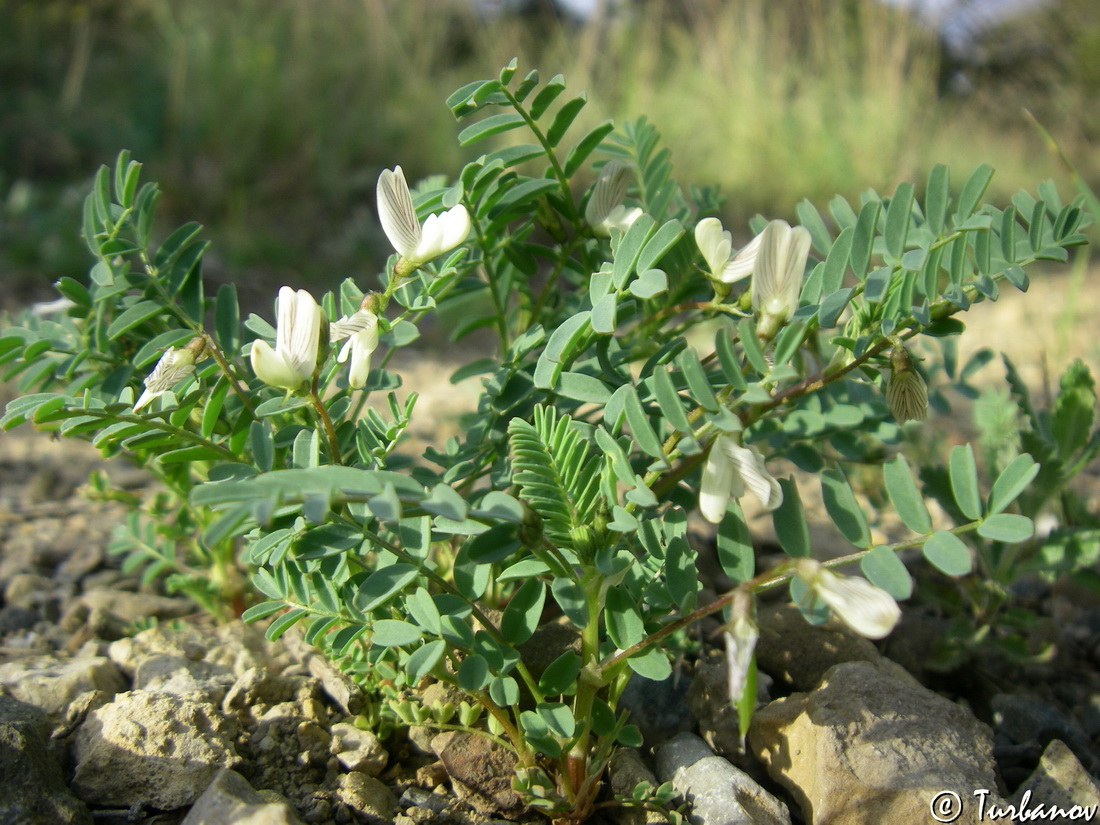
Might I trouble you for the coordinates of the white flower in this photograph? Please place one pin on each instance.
(360, 334)
(297, 337)
(605, 209)
(51, 307)
(777, 277)
(716, 244)
(730, 469)
(416, 244)
(868, 610)
(176, 364)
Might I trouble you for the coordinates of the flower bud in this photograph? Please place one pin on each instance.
(176, 364)
(906, 394)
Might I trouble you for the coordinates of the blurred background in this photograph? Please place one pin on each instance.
(269, 120)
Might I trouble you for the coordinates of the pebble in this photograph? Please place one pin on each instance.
(230, 800)
(719, 793)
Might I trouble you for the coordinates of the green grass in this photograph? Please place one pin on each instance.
(269, 120)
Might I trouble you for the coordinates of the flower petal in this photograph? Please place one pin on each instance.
(780, 265)
(396, 212)
(743, 263)
(717, 483)
(442, 233)
(303, 334)
(715, 243)
(271, 368)
(750, 468)
(868, 610)
(608, 192)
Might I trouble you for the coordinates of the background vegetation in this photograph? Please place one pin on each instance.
(269, 120)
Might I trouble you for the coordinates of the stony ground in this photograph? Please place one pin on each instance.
(121, 704)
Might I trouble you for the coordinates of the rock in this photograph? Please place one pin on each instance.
(708, 701)
(256, 690)
(1061, 781)
(198, 680)
(371, 801)
(131, 607)
(230, 800)
(32, 791)
(481, 771)
(358, 750)
(151, 749)
(14, 618)
(627, 772)
(659, 709)
(28, 590)
(334, 682)
(719, 793)
(290, 749)
(52, 683)
(866, 748)
(1021, 720)
(414, 797)
(799, 653)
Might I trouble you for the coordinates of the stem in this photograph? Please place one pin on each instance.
(758, 584)
(326, 422)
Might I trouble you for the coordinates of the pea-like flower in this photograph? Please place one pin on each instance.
(359, 332)
(605, 209)
(730, 469)
(777, 276)
(716, 244)
(292, 363)
(741, 635)
(906, 394)
(415, 243)
(176, 364)
(868, 610)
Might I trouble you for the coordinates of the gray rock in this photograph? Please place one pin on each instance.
(358, 750)
(14, 618)
(1059, 781)
(719, 793)
(51, 683)
(151, 749)
(32, 791)
(130, 607)
(1021, 720)
(417, 797)
(865, 748)
(182, 676)
(659, 709)
(370, 800)
(708, 701)
(230, 800)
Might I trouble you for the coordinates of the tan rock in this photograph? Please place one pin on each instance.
(866, 748)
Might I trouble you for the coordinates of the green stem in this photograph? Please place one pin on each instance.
(757, 584)
(326, 422)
